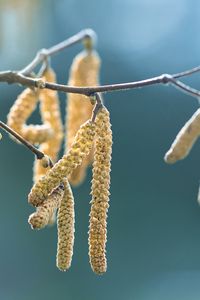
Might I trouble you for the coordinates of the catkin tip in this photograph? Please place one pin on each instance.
(43, 214)
(170, 158)
(34, 222)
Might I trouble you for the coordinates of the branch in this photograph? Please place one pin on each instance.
(87, 36)
(99, 104)
(43, 54)
(164, 79)
(14, 77)
(34, 150)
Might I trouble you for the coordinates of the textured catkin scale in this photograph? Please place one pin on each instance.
(65, 224)
(84, 72)
(64, 167)
(43, 214)
(51, 117)
(184, 140)
(100, 192)
(21, 111)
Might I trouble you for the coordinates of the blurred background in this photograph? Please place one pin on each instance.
(153, 247)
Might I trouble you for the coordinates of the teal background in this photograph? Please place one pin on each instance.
(153, 247)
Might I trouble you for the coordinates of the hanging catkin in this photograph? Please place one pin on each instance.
(51, 116)
(64, 167)
(65, 224)
(44, 212)
(84, 72)
(100, 192)
(21, 111)
(185, 139)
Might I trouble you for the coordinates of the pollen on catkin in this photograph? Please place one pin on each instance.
(51, 116)
(44, 212)
(84, 72)
(21, 111)
(100, 192)
(64, 167)
(184, 140)
(65, 225)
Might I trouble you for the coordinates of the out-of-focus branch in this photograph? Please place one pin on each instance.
(87, 36)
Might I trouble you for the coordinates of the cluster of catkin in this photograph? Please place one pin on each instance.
(91, 134)
(88, 139)
(184, 141)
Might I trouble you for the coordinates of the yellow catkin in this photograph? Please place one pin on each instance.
(21, 111)
(65, 223)
(84, 72)
(51, 116)
(100, 192)
(184, 140)
(43, 214)
(64, 167)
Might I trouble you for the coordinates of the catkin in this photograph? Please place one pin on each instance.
(100, 192)
(84, 72)
(20, 112)
(64, 167)
(65, 224)
(51, 116)
(184, 140)
(44, 212)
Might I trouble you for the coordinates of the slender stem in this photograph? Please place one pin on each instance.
(164, 79)
(98, 105)
(87, 36)
(187, 72)
(14, 77)
(43, 54)
(38, 153)
(185, 88)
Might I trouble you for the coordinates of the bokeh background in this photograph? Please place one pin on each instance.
(153, 247)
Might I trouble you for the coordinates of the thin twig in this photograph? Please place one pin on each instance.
(37, 152)
(187, 72)
(98, 105)
(43, 54)
(14, 77)
(21, 77)
(185, 88)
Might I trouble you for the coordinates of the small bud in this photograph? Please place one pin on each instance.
(45, 161)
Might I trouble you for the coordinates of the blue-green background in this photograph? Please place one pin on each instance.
(153, 247)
